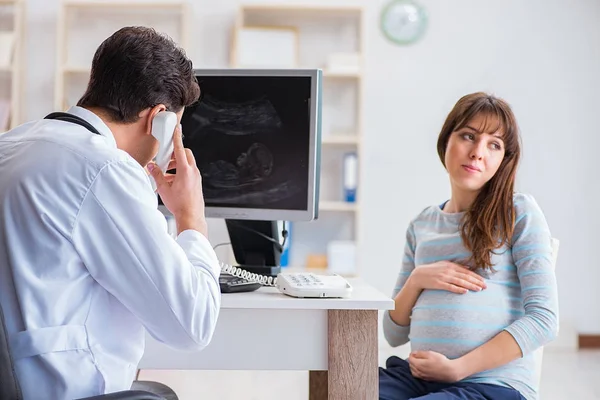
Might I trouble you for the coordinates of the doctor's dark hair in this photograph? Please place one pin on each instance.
(137, 68)
(489, 222)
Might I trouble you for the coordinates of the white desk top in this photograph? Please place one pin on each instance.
(364, 297)
(267, 330)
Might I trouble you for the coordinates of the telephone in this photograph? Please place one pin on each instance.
(163, 127)
(295, 284)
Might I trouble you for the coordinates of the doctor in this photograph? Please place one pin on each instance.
(86, 263)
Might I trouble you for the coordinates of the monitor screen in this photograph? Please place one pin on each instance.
(255, 136)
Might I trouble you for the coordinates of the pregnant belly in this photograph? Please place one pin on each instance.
(453, 324)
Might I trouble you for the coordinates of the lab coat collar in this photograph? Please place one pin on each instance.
(96, 121)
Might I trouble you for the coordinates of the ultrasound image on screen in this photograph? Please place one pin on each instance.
(250, 137)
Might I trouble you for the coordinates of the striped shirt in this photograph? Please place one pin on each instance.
(521, 294)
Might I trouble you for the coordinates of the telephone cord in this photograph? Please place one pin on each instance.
(240, 273)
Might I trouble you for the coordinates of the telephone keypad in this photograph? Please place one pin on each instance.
(306, 280)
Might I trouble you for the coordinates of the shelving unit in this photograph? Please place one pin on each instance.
(322, 31)
(12, 17)
(83, 25)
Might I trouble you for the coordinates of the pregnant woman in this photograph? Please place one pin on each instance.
(476, 294)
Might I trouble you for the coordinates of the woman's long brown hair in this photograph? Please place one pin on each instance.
(488, 224)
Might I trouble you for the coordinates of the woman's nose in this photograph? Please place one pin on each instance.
(476, 153)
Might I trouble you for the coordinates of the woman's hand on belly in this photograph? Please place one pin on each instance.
(435, 367)
(446, 275)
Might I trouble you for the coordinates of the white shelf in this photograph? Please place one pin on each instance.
(176, 12)
(340, 140)
(339, 31)
(341, 206)
(72, 69)
(112, 5)
(342, 75)
(13, 72)
(319, 9)
(327, 74)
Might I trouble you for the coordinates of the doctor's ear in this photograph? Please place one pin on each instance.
(152, 111)
(147, 115)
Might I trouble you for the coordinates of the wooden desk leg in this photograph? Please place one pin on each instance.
(353, 369)
(317, 385)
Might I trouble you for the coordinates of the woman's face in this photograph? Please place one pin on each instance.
(474, 153)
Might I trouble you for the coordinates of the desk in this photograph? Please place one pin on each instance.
(334, 339)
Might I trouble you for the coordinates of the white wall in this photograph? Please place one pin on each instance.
(543, 56)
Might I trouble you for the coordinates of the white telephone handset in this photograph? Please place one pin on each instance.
(297, 284)
(163, 127)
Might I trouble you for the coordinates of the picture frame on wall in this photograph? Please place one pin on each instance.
(265, 47)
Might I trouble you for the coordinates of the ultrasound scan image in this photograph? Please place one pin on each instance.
(250, 138)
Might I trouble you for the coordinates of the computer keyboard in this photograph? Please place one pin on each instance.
(233, 284)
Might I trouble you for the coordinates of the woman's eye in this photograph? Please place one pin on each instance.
(468, 136)
(496, 146)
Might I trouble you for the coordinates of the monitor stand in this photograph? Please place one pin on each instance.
(256, 245)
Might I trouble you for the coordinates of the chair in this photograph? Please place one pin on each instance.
(10, 389)
(539, 353)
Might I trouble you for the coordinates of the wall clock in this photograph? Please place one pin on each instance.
(403, 21)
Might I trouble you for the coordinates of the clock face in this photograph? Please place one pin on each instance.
(403, 21)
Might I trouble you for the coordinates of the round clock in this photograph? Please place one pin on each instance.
(403, 21)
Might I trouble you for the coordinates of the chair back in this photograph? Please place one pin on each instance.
(9, 385)
(538, 355)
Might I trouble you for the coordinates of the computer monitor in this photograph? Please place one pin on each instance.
(256, 135)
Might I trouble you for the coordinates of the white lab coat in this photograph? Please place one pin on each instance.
(86, 263)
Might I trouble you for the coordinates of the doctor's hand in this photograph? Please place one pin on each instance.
(182, 192)
(446, 275)
(436, 367)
